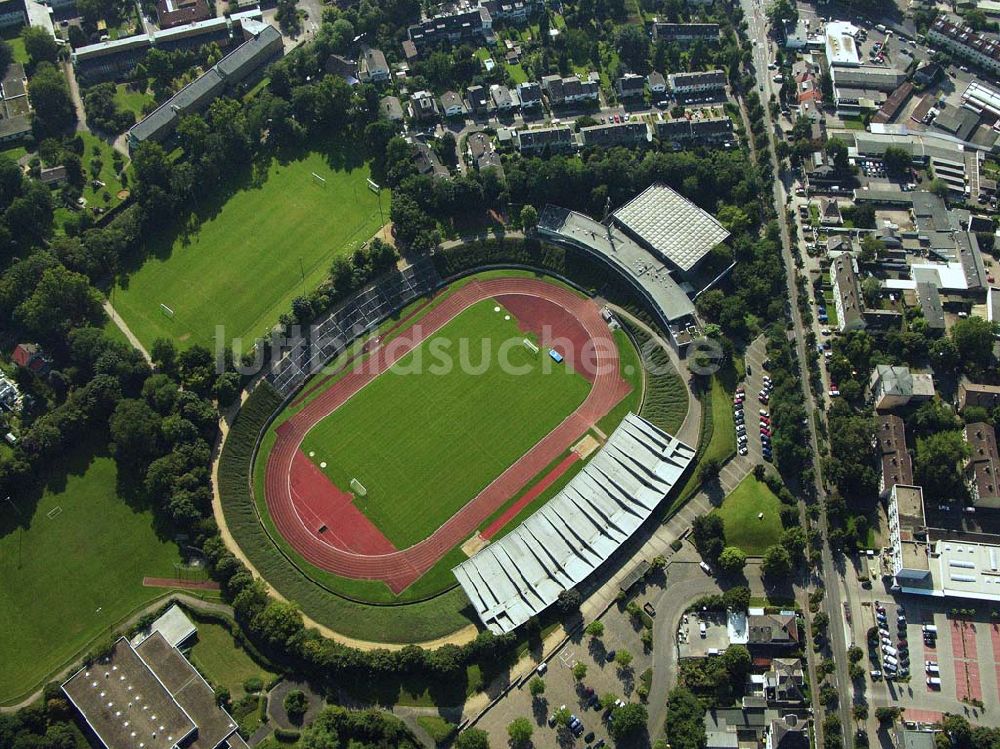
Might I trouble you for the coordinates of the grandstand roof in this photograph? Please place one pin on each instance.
(576, 531)
(671, 225)
(634, 261)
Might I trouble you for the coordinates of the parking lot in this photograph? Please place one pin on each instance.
(701, 635)
(965, 655)
(562, 689)
(756, 432)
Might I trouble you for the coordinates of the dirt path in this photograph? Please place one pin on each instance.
(124, 328)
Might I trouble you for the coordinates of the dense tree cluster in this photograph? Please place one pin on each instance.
(44, 725)
(103, 112)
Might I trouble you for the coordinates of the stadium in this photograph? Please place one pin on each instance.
(452, 447)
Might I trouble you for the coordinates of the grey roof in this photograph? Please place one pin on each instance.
(391, 107)
(930, 304)
(242, 60)
(576, 531)
(910, 739)
(867, 77)
(643, 268)
(716, 78)
(672, 225)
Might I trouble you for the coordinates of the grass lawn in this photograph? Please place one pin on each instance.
(404, 434)
(131, 100)
(739, 513)
(107, 175)
(437, 728)
(723, 442)
(14, 152)
(222, 661)
(66, 580)
(250, 255)
(517, 73)
(16, 44)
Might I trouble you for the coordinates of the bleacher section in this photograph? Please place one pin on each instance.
(576, 531)
(330, 336)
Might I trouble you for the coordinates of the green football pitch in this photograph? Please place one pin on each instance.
(74, 572)
(245, 262)
(424, 444)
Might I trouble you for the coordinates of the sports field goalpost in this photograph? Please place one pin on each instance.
(321, 181)
(358, 488)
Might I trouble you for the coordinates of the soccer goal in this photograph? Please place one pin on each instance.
(321, 181)
(358, 488)
(530, 345)
(166, 311)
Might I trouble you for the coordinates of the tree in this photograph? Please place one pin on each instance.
(633, 47)
(871, 290)
(737, 662)
(623, 658)
(529, 217)
(569, 601)
(627, 721)
(595, 629)
(836, 149)
(732, 560)
(296, 705)
(473, 738)
(40, 45)
(937, 465)
(777, 562)
(579, 671)
(536, 686)
(897, 160)
(685, 720)
(49, 94)
(520, 731)
(709, 536)
(973, 338)
(135, 432)
(62, 300)
(711, 465)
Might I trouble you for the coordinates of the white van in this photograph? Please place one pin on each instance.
(703, 629)
(933, 682)
(890, 651)
(930, 629)
(932, 670)
(890, 661)
(704, 566)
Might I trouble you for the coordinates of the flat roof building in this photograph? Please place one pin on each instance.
(908, 535)
(672, 226)
(929, 299)
(575, 532)
(841, 47)
(150, 696)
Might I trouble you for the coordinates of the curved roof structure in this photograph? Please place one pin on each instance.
(576, 531)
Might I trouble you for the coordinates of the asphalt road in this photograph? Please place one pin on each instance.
(754, 11)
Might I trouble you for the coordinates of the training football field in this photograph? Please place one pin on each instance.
(424, 444)
(245, 263)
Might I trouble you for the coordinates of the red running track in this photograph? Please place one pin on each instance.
(398, 569)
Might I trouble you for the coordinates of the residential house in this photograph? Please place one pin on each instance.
(465, 25)
(772, 630)
(551, 139)
(685, 33)
(977, 394)
(482, 152)
(787, 732)
(829, 213)
(423, 106)
(698, 126)
(983, 468)
(372, 67)
(478, 98)
(965, 42)
(709, 81)
(10, 396)
(451, 104)
(616, 134)
(891, 386)
(890, 441)
(784, 682)
(52, 176)
(570, 90)
(427, 161)
(31, 356)
(530, 94)
(631, 86)
(501, 97)
(847, 294)
(392, 108)
(342, 67)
